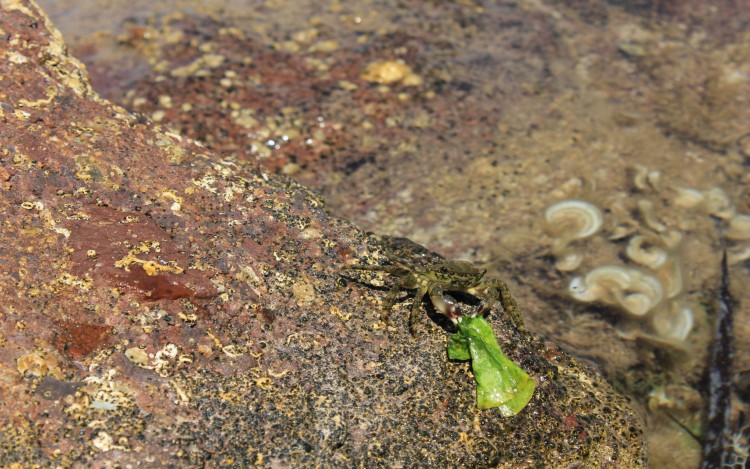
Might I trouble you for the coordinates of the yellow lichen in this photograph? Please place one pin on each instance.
(388, 72)
(337, 312)
(71, 280)
(199, 65)
(303, 292)
(51, 94)
(177, 200)
(149, 266)
(38, 365)
(137, 356)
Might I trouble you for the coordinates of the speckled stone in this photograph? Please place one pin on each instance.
(162, 306)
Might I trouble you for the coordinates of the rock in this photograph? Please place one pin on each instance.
(162, 306)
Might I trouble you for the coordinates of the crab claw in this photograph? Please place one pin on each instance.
(447, 305)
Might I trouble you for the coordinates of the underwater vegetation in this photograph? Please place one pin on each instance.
(721, 446)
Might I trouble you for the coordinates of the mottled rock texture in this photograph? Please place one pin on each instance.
(160, 305)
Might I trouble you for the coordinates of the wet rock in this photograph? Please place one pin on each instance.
(163, 306)
(342, 108)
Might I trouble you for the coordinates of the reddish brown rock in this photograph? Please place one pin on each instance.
(164, 306)
(518, 106)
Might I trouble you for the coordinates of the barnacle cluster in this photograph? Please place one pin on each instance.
(635, 292)
(715, 202)
(648, 286)
(569, 221)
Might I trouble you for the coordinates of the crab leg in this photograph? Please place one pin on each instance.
(414, 313)
(491, 295)
(498, 290)
(390, 299)
(375, 268)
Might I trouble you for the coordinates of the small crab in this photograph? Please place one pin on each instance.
(434, 279)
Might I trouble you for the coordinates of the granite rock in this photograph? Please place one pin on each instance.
(165, 306)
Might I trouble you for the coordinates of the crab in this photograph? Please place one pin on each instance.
(435, 279)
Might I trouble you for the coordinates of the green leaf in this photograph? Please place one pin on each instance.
(500, 382)
(458, 347)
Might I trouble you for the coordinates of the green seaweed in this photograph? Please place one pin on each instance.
(500, 382)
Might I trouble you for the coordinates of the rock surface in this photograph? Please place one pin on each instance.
(517, 106)
(161, 305)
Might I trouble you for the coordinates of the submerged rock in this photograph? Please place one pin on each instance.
(163, 306)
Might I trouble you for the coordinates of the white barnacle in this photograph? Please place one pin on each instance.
(671, 277)
(739, 228)
(598, 284)
(713, 201)
(644, 179)
(644, 251)
(738, 254)
(634, 291)
(641, 296)
(673, 323)
(688, 198)
(580, 291)
(671, 239)
(568, 261)
(573, 219)
(716, 202)
(646, 207)
(568, 221)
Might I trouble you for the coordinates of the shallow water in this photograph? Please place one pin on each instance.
(520, 105)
